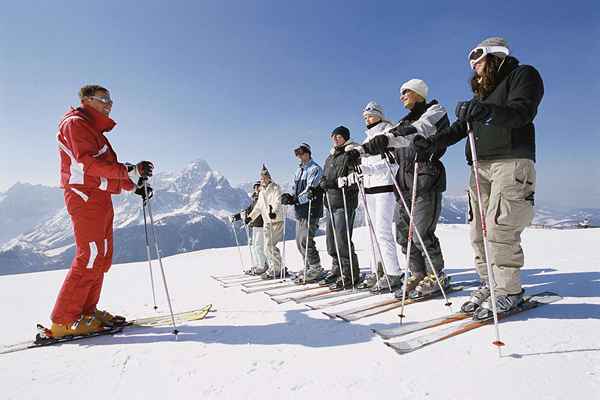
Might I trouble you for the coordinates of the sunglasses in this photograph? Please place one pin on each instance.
(478, 53)
(104, 99)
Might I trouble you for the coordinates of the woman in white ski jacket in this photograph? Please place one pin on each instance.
(381, 202)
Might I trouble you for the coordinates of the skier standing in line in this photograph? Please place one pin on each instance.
(426, 119)
(269, 207)
(379, 189)
(90, 174)
(257, 239)
(338, 166)
(307, 176)
(500, 114)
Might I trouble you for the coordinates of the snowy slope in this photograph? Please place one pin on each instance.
(252, 348)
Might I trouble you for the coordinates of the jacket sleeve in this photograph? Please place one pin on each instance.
(313, 179)
(85, 151)
(451, 135)
(433, 120)
(257, 210)
(275, 200)
(524, 96)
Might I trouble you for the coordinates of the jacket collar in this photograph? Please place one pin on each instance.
(508, 65)
(100, 122)
(418, 110)
(340, 149)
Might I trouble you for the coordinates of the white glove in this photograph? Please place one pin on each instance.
(342, 181)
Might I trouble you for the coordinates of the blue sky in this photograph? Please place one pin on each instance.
(239, 83)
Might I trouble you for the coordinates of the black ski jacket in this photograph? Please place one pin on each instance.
(338, 165)
(510, 132)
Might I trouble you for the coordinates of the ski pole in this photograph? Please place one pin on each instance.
(237, 244)
(335, 240)
(372, 244)
(162, 270)
(419, 238)
(411, 226)
(492, 282)
(248, 241)
(148, 254)
(372, 231)
(348, 236)
(306, 242)
(283, 262)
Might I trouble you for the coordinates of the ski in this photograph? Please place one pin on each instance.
(300, 295)
(159, 320)
(250, 279)
(296, 289)
(529, 302)
(407, 328)
(346, 299)
(264, 283)
(329, 295)
(391, 303)
(226, 277)
(264, 288)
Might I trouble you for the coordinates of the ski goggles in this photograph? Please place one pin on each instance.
(478, 53)
(103, 99)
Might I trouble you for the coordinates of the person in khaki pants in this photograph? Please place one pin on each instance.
(505, 102)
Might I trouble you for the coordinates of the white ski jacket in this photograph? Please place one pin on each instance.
(269, 196)
(374, 169)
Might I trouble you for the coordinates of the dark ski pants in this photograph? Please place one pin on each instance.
(305, 234)
(339, 224)
(427, 209)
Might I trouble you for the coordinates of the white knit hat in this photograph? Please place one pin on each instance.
(416, 85)
(373, 109)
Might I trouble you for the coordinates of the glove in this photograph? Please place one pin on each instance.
(272, 215)
(247, 220)
(377, 145)
(473, 110)
(236, 217)
(140, 191)
(288, 199)
(423, 147)
(403, 130)
(143, 169)
(313, 192)
(324, 185)
(342, 181)
(353, 156)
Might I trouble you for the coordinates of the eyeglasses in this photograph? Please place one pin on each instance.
(104, 99)
(478, 53)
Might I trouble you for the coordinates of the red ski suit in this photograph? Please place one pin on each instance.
(90, 174)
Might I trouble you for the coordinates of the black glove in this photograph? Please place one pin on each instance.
(353, 156)
(473, 110)
(377, 145)
(247, 220)
(272, 215)
(143, 169)
(313, 192)
(236, 217)
(423, 147)
(140, 191)
(288, 199)
(403, 130)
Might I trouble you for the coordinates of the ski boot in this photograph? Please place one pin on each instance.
(330, 278)
(107, 319)
(477, 298)
(313, 275)
(387, 281)
(504, 303)
(86, 325)
(429, 285)
(346, 283)
(372, 279)
(411, 284)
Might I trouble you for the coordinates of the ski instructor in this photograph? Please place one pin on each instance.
(89, 174)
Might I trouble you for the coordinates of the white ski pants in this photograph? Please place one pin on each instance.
(381, 208)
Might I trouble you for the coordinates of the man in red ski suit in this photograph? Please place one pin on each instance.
(89, 174)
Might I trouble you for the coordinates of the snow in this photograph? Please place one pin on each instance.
(252, 348)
